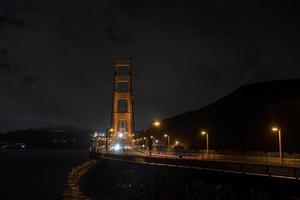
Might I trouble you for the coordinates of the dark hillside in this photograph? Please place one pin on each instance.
(46, 138)
(243, 119)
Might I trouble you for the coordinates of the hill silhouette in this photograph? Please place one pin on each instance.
(47, 138)
(243, 119)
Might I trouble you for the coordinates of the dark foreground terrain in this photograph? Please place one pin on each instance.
(36, 174)
(121, 180)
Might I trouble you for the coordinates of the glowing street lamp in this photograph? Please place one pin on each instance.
(168, 137)
(156, 123)
(205, 133)
(276, 129)
(111, 130)
(177, 142)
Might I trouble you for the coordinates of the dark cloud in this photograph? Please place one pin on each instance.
(71, 28)
(4, 53)
(4, 59)
(56, 56)
(117, 35)
(6, 66)
(30, 79)
(13, 21)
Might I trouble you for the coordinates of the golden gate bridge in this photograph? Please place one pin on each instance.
(119, 142)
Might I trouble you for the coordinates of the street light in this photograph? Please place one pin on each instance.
(275, 129)
(177, 142)
(156, 123)
(168, 137)
(106, 138)
(205, 133)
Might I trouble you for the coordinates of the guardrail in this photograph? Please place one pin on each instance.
(257, 169)
(234, 156)
(248, 156)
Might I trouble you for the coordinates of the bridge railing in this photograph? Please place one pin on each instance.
(258, 169)
(233, 156)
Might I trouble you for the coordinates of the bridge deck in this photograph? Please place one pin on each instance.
(277, 170)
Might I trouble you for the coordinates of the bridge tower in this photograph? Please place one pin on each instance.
(122, 108)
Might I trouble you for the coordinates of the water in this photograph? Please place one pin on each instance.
(41, 174)
(36, 174)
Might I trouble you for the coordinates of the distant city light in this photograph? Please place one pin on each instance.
(156, 141)
(177, 142)
(120, 135)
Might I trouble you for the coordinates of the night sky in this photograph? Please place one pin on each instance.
(56, 55)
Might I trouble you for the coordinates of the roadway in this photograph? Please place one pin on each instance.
(212, 156)
(249, 165)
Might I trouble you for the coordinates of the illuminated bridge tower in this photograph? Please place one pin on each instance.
(122, 108)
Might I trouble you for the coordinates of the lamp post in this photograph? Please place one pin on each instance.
(156, 123)
(205, 133)
(106, 138)
(150, 144)
(168, 138)
(152, 141)
(95, 142)
(275, 129)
